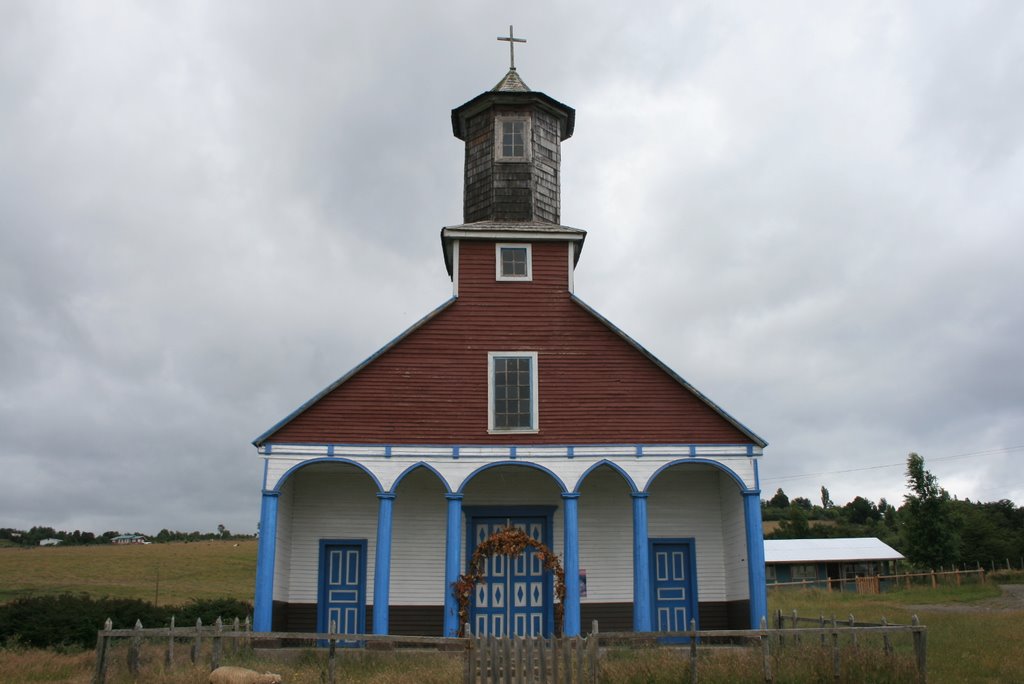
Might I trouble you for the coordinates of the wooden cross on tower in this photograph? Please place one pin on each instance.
(511, 40)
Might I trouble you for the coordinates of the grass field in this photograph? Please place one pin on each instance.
(970, 637)
(968, 641)
(204, 569)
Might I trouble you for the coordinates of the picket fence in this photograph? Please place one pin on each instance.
(532, 660)
(494, 660)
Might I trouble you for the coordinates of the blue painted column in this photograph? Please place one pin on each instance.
(453, 541)
(755, 558)
(571, 534)
(263, 609)
(382, 564)
(641, 566)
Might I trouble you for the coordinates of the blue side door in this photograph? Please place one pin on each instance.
(513, 598)
(674, 584)
(342, 587)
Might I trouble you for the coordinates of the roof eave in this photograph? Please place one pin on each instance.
(565, 114)
(451, 233)
(262, 439)
(754, 437)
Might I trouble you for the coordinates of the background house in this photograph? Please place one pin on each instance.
(819, 561)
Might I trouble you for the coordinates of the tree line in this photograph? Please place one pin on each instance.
(931, 528)
(34, 535)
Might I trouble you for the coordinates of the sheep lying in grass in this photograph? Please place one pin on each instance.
(240, 675)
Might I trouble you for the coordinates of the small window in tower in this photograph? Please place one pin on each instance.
(512, 134)
(513, 262)
(512, 387)
(512, 138)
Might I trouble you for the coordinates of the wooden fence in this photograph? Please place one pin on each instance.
(490, 660)
(830, 633)
(532, 660)
(239, 636)
(875, 584)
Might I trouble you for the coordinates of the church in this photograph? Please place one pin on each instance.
(512, 404)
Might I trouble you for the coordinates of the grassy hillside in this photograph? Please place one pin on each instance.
(206, 569)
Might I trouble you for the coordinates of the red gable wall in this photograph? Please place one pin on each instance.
(431, 388)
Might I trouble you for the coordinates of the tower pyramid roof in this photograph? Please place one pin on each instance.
(511, 83)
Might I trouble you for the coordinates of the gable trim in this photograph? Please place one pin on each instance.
(340, 381)
(671, 373)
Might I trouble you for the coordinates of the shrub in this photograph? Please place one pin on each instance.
(208, 610)
(73, 619)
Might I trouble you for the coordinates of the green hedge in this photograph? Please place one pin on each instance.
(73, 619)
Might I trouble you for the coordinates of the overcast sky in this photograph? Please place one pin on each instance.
(211, 210)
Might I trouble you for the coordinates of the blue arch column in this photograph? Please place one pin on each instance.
(641, 566)
(382, 564)
(453, 540)
(755, 558)
(571, 534)
(263, 608)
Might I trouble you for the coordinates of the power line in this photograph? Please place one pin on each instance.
(971, 454)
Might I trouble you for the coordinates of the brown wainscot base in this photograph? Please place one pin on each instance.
(429, 620)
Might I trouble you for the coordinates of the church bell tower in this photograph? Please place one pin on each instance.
(513, 139)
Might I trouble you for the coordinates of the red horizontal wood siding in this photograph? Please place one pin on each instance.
(431, 388)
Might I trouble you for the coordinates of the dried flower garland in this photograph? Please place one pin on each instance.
(511, 542)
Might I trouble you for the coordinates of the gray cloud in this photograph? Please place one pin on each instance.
(209, 212)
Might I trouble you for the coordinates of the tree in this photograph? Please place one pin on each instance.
(930, 526)
(860, 511)
(826, 500)
(802, 502)
(794, 526)
(780, 500)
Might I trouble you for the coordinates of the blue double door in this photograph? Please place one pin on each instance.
(515, 597)
(673, 583)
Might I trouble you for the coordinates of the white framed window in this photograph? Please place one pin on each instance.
(513, 261)
(769, 573)
(512, 138)
(512, 392)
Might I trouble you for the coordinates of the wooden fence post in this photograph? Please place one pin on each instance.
(821, 623)
(234, 641)
(853, 635)
(133, 649)
(886, 641)
(247, 642)
(506, 660)
(766, 656)
(920, 650)
(793, 624)
(554, 659)
(169, 655)
(333, 645)
(480, 669)
(593, 648)
(102, 642)
(216, 647)
(836, 668)
(567, 659)
(545, 651)
(467, 656)
(529, 643)
(934, 583)
(197, 642)
(580, 658)
(693, 651)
